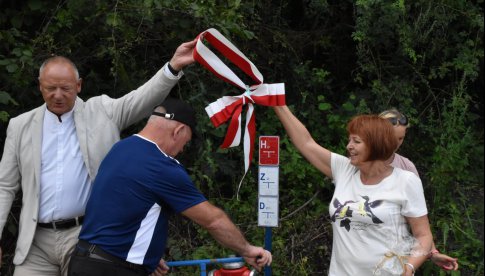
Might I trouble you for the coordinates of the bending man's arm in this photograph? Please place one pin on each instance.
(227, 234)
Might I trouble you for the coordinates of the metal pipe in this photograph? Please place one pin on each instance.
(268, 245)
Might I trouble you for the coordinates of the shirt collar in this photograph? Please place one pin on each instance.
(63, 118)
(146, 139)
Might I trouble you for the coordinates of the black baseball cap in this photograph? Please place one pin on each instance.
(179, 111)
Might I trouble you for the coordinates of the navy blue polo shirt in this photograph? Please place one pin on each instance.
(137, 188)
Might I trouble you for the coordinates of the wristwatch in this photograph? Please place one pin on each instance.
(173, 71)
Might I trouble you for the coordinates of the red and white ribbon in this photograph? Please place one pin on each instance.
(230, 107)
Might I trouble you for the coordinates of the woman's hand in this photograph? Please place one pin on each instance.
(444, 261)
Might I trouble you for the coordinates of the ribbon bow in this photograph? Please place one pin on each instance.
(230, 107)
(388, 263)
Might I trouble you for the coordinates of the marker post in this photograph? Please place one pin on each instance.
(268, 189)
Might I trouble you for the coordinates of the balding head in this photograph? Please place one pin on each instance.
(59, 59)
(59, 84)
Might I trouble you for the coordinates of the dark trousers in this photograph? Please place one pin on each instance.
(84, 263)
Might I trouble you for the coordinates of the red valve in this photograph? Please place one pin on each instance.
(233, 269)
(243, 271)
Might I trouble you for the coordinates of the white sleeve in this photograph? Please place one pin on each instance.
(340, 166)
(414, 203)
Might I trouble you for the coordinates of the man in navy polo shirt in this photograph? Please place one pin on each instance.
(138, 185)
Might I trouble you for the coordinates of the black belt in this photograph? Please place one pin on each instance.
(86, 249)
(62, 224)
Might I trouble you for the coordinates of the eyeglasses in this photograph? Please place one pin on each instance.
(403, 120)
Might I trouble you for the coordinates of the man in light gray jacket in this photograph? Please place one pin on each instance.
(53, 153)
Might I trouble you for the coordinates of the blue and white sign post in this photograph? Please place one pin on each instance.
(268, 189)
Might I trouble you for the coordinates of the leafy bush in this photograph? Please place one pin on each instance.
(336, 58)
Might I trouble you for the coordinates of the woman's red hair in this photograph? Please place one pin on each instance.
(377, 133)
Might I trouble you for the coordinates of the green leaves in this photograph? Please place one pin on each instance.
(336, 58)
(3, 116)
(6, 99)
(35, 5)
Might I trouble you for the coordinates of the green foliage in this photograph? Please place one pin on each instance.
(5, 99)
(460, 219)
(336, 58)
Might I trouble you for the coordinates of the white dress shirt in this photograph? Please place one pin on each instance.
(64, 180)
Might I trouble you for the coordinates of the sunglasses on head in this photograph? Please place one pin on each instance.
(164, 115)
(403, 120)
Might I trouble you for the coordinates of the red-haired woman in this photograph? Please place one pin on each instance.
(373, 204)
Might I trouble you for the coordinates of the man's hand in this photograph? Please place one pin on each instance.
(183, 56)
(216, 221)
(258, 257)
(444, 261)
(162, 269)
